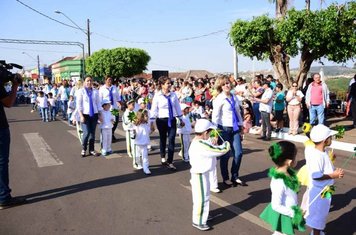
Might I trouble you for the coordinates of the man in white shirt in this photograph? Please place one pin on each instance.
(266, 102)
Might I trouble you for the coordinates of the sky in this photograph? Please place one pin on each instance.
(144, 24)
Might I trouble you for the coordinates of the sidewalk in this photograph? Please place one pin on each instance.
(347, 143)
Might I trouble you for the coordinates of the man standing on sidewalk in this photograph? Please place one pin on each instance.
(352, 97)
(317, 100)
(266, 103)
(7, 100)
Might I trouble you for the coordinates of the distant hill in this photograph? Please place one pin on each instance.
(330, 71)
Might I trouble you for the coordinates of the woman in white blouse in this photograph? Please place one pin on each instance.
(226, 115)
(89, 106)
(166, 109)
(294, 98)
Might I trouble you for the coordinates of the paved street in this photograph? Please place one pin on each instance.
(72, 195)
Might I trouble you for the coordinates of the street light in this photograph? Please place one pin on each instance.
(38, 63)
(86, 32)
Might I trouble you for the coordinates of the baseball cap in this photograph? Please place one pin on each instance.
(105, 101)
(203, 125)
(140, 101)
(320, 132)
(184, 106)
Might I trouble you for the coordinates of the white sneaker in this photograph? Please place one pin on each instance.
(163, 161)
(215, 190)
(147, 172)
(139, 167)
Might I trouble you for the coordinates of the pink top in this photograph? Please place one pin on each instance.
(316, 94)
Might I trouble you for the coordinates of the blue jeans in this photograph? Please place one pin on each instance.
(64, 108)
(53, 112)
(88, 127)
(257, 113)
(4, 164)
(234, 139)
(316, 112)
(44, 112)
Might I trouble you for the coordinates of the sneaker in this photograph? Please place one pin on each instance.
(14, 201)
(171, 166)
(147, 172)
(32, 111)
(186, 160)
(215, 190)
(93, 153)
(104, 153)
(82, 153)
(202, 227)
(163, 161)
(137, 167)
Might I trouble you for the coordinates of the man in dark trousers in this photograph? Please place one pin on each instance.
(352, 97)
(7, 100)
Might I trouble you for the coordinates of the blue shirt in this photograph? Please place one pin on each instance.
(279, 102)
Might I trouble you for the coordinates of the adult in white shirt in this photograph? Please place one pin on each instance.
(227, 117)
(108, 91)
(63, 94)
(294, 98)
(166, 109)
(89, 106)
(266, 102)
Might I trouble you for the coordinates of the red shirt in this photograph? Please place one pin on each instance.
(316, 94)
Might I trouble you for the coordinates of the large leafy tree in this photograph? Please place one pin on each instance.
(328, 33)
(117, 62)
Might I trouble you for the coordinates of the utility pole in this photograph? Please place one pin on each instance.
(88, 35)
(38, 67)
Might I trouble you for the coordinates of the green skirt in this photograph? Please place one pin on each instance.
(279, 222)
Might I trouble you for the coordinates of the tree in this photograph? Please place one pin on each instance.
(281, 7)
(117, 62)
(328, 33)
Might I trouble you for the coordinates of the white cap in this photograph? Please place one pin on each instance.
(320, 133)
(140, 101)
(105, 101)
(203, 125)
(184, 106)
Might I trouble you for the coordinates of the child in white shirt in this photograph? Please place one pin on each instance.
(71, 108)
(127, 125)
(322, 174)
(33, 98)
(203, 160)
(184, 132)
(42, 103)
(142, 139)
(106, 124)
(52, 106)
(283, 213)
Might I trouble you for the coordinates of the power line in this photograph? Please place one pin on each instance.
(127, 41)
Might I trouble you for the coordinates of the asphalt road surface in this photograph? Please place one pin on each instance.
(68, 194)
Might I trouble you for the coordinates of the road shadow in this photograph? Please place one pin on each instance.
(248, 151)
(255, 176)
(340, 201)
(344, 225)
(255, 198)
(24, 120)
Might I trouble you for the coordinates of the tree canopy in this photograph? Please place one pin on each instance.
(328, 33)
(117, 62)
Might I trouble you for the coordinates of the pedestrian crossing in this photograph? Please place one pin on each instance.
(41, 151)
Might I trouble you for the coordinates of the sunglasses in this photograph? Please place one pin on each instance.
(228, 83)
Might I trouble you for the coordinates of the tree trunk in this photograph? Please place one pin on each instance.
(305, 63)
(307, 5)
(281, 8)
(280, 63)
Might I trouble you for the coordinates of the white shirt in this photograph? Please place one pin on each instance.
(63, 93)
(107, 118)
(203, 155)
(42, 102)
(83, 101)
(187, 128)
(222, 112)
(142, 134)
(104, 93)
(318, 164)
(52, 102)
(267, 94)
(126, 123)
(159, 107)
(294, 100)
(283, 198)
